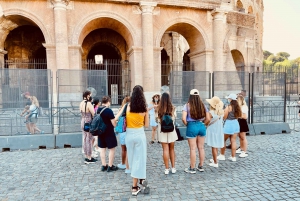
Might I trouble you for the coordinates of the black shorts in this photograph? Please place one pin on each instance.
(107, 140)
(243, 125)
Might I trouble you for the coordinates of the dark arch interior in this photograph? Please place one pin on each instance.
(108, 50)
(165, 67)
(111, 63)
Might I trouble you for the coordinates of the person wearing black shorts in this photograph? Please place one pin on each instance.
(243, 127)
(108, 139)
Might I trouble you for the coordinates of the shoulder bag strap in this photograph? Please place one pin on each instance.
(124, 110)
(102, 110)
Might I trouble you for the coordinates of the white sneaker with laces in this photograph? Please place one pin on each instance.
(238, 151)
(243, 154)
(221, 157)
(167, 171)
(213, 164)
(233, 159)
(173, 170)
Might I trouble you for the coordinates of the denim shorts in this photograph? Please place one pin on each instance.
(195, 128)
(122, 138)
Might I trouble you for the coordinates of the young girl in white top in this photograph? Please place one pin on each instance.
(243, 127)
(214, 131)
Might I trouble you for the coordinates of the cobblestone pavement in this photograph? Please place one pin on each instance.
(270, 172)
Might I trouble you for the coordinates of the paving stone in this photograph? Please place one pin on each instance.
(61, 175)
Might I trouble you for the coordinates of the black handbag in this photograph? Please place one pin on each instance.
(87, 125)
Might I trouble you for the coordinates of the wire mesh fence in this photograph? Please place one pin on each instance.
(18, 86)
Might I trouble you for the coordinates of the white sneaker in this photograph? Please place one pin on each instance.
(173, 170)
(167, 171)
(121, 166)
(233, 159)
(221, 157)
(243, 154)
(238, 151)
(212, 161)
(213, 164)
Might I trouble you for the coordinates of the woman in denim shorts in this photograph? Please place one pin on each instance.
(195, 116)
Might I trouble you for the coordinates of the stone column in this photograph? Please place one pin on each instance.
(219, 22)
(61, 33)
(147, 9)
(2, 53)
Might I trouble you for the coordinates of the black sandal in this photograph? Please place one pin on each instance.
(137, 190)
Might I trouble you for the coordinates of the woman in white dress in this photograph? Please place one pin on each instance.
(167, 140)
(214, 131)
(152, 108)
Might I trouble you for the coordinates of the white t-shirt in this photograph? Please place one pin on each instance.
(245, 110)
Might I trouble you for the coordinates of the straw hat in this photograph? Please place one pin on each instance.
(214, 101)
(217, 104)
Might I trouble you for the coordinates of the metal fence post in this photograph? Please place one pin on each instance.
(284, 112)
(249, 95)
(252, 97)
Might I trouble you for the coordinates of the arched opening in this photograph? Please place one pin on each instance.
(24, 46)
(238, 60)
(185, 47)
(109, 38)
(240, 6)
(25, 50)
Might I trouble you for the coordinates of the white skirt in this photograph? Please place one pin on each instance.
(166, 137)
(136, 145)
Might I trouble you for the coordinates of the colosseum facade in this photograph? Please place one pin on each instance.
(150, 36)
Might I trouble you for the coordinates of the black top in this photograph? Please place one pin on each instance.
(107, 115)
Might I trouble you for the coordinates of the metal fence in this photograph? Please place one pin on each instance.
(269, 97)
(13, 83)
(26, 64)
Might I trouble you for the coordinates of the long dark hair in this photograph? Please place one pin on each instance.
(165, 105)
(85, 94)
(137, 100)
(157, 100)
(236, 108)
(197, 108)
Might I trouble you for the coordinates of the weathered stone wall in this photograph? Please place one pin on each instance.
(212, 29)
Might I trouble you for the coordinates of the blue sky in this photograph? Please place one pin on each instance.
(282, 27)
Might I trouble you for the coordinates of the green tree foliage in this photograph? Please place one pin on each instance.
(283, 54)
(267, 54)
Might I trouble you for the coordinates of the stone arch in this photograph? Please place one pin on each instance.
(238, 59)
(188, 28)
(104, 19)
(104, 36)
(250, 10)
(240, 6)
(11, 13)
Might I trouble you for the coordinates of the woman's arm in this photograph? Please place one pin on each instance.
(244, 116)
(120, 113)
(225, 113)
(207, 119)
(146, 119)
(184, 115)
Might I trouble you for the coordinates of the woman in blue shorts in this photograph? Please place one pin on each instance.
(231, 126)
(195, 115)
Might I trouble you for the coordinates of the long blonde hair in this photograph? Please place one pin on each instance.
(218, 110)
(241, 101)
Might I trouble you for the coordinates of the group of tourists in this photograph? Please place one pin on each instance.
(212, 126)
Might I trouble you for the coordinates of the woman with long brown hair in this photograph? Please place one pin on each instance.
(167, 140)
(195, 115)
(231, 126)
(137, 118)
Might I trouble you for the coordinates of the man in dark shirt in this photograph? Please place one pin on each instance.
(108, 138)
